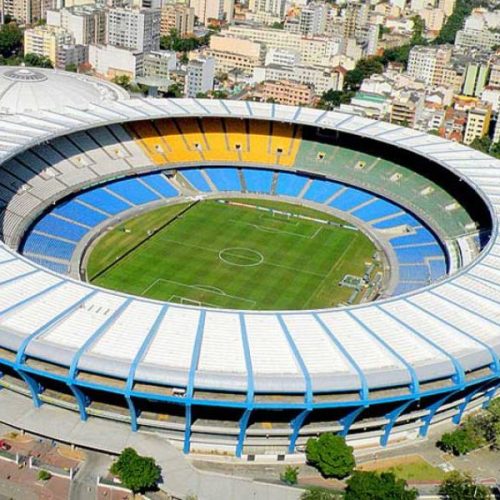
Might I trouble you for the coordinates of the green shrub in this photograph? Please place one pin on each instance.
(317, 493)
(136, 473)
(330, 455)
(44, 475)
(374, 486)
(290, 475)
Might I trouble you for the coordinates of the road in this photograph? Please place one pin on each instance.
(84, 486)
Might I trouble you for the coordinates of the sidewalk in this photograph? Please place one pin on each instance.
(180, 477)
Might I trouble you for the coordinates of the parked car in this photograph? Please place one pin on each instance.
(4, 445)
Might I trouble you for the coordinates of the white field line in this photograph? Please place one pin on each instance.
(202, 288)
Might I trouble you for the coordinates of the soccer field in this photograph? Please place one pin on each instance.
(223, 255)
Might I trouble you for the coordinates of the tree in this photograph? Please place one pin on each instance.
(458, 442)
(123, 81)
(11, 37)
(71, 67)
(136, 473)
(330, 455)
(373, 486)
(482, 144)
(364, 69)
(174, 90)
(334, 98)
(174, 42)
(290, 475)
(316, 493)
(37, 61)
(455, 22)
(418, 31)
(459, 486)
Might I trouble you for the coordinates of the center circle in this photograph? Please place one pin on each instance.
(241, 257)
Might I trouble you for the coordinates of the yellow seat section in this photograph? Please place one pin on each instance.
(236, 134)
(285, 138)
(179, 150)
(297, 138)
(192, 134)
(217, 143)
(259, 138)
(146, 136)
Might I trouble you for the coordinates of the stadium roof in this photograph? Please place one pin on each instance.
(446, 329)
(24, 89)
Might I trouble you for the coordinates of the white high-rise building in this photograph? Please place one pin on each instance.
(134, 29)
(275, 7)
(87, 23)
(200, 76)
(312, 19)
(428, 64)
(205, 10)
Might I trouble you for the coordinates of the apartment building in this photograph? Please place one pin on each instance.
(428, 64)
(200, 76)
(46, 41)
(288, 92)
(87, 23)
(478, 122)
(133, 29)
(178, 17)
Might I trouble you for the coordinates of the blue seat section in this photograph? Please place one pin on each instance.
(79, 213)
(399, 220)
(290, 184)
(437, 269)
(258, 181)
(418, 254)
(59, 227)
(53, 266)
(417, 272)
(225, 179)
(319, 191)
(196, 180)
(403, 287)
(49, 247)
(104, 201)
(376, 210)
(421, 235)
(350, 199)
(132, 190)
(160, 185)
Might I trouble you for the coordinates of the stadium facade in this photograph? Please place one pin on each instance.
(240, 381)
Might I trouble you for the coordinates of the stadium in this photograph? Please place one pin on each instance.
(241, 276)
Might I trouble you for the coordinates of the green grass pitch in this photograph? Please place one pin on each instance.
(234, 257)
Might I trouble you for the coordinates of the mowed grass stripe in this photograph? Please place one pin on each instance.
(302, 261)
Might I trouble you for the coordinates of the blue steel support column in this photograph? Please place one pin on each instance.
(392, 417)
(349, 419)
(296, 425)
(243, 423)
(424, 428)
(133, 367)
(82, 400)
(462, 407)
(250, 388)
(298, 421)
(490, 395)
(190, 386)
(34, 387)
